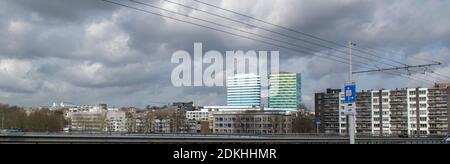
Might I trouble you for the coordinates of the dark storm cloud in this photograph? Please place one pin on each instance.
(88, 51)
(62, 10)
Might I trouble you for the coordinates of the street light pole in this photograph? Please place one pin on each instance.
(350, 74)
(352, 106)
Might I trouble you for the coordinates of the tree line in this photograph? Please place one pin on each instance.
(42, 120)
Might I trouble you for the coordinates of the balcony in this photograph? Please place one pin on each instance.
(438, 114)
(437, 122)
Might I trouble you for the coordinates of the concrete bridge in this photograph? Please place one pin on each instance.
(63, 138)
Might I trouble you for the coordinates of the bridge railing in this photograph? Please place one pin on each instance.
(291, 135)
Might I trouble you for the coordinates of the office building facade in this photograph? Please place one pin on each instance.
(285, 90)
(252, 122)
(244, 90)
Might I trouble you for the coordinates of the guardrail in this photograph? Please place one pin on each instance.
(86, 133)
(38, 138)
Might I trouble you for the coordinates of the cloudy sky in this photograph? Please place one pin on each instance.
(90, 51)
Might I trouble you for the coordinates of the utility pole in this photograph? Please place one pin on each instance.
(350, 74)
(350, 96)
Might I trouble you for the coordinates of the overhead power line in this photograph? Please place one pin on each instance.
(364, 65)
(301, 33)
(223, 31)
(407, 68)
(259, 35)
(267, 30)
(424, 70)
(288, 29)
(312, 51)
(250, 38)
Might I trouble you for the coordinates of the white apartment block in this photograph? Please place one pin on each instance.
(381, 111)
(397, 112)
(197, 115)
(394, 112)
(342, 116)
(116, 121)
(417, 111)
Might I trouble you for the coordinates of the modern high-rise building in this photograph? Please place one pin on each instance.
(285, 90)
(244, 90)
(411, 111)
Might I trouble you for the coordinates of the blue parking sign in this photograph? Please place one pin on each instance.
(350, 94)
(318, 122)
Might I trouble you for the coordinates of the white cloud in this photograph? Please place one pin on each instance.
(18, 76)
(105, 41)
(98, 75)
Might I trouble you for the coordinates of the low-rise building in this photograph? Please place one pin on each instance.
(138, 122)
(198, 117)
(61, 105)
(116, 121)
(201, 115)
(252, 122)
(88, 121)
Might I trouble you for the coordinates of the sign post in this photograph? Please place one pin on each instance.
(350, 99)
(317, 122)
(350, 108)
(350, 93)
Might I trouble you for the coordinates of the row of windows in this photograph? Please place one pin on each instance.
(420, 119)
(230, 119)
(384, 94)
(415, 105)
(377, 113)
(225, 119)
(421, 126)
(378, 125)
(385, 100)
(218, 125)
(420, 92)
(377, 94)
(113, 118)
(420, 99)
(385, 106)
(197, 115)
(421, 112)
(378, 119)
(246, 131)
